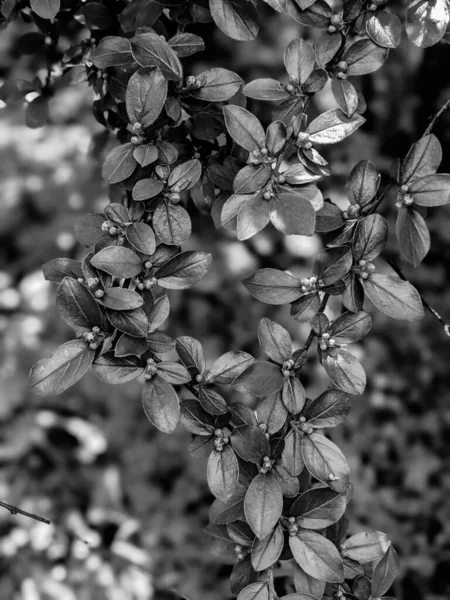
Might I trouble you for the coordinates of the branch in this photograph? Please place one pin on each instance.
(429, 129)
(18, 511)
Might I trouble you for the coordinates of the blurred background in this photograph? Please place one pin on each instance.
(128, 503)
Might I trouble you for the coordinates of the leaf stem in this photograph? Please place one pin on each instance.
(443, 108)
(18, 511)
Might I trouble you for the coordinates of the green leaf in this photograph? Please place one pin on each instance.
(130, 346)
(172, 223)
(423, 158)
(37, 112)
(222, 473)
(238, 19)
(147, 188)
(146, 95)
(117, 261)
(252, 179)
(161, 404)
(431, 190)
(244, 128)
(58, 268)
(226, 512)
(152, 50)
(46, 9)
(260, 379)
(317, 14)
(412, 235)
(274, 340)
(255, 591)
(77, 305)
(217, 85)
(265, 89)
(145, 155)
(115, 370)
(366, 547)
(191, 354)
(292, 454)
(349, 327)
(173, 372)
(318, 508)
(345, 95)
(393, 296)
(328, 410)
(88, 229)
(195, 419)
(113, 51)
(385, 29)
(370, 237)
(364, 57)
(293, 395)
(266, 552)
(231, 364)
(326, 47)
(344, 371)
(186, 44)
(250, 443)
(272, 412)
(51, 376)
(186, 175)
(293, 213)
(317, 556)
(426, 21)
(263, 504)
(306, 584)
(333, 126)
(183, 270)
(119, 164)
(333, 264)
(385, 573)
(273, 287)
(325, 462)
(252, 217)
(133, 322)
(141, 237)
(299, 60)
(121, 299)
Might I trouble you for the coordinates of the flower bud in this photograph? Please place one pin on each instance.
(96, 329)
(342, 66)
(148, 264)
(199, 378)
(99, 293)
(290, 88)
(190, 81)
(135, 140)
(113, 231)
(105, 225)
(341, 75)
(332, 29)
(137, 127)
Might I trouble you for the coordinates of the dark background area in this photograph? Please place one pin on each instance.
(128, 503)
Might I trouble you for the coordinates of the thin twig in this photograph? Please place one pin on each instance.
(18, 511)
(429, 129)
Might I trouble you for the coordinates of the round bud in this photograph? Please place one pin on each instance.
(199, 378)
(341, 75)
(267, 195)
(96, 329)
(304, 288)
(237, 549)
(263, 427)
(266, 459)
(148, 375)
(148, 264)
(113, 231)
(135, 140)
(105, 225)
(80, 280)
(323, 345)
(404, 189)
(99, 293)
(326, 336)
(308, 146)
(362, 263)
(290, 88)
(89, 337)
(332, 29)
(93, 345)
(218, 433)
(373, 7)
(174, 197)
(150, 361)
(240, 556)
(264, 151)
(140, 286)
(281, 179)
(370, 268)
(302, 419)
(286, 372)
(336, 20)
(226, 440)
(398, 204)
(148, 284)
(345, 214)
(190, 81)
(331, 343)
(342, 65)
(365, 275)
(218, 445)
(137, 127)
(292, 519)
(408, 200)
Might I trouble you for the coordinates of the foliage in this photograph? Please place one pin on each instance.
(281, 488)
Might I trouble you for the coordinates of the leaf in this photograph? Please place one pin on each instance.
(333, 264)
(113, 51)
(186, 44)
(133, 322)
(363, 183)
(345, 95)
(318, 508)
(77, 305)
(252, 217)
(226, 368)
(273, 286)
(333, 126)
(195, 419)
(266, 552)
(130, 346)
(255, 591)
(364, 57)
(292, 454)
(226, 512)
(158, 313)
(217, 85)
(37, 112)
(121, 299)
(272, 412)
(345, 371)
(426, 21)
(293, 395)
(58, 268)
(46, 9)
(328, 410)
(115, 370)
(173, 372)
(172, 223)
(145, 155)
(252, 179)
(244, 127)
(305, 583)
(263, 504)
(317, 556)
(241, 533)
(366, 547)
(306, 307)
(119, 164)
(147, 188)
(329, 217)
(250, 443)
(265, 89)
(299, 60)
(274, 340)
(161, 404)
(293, 213)
(393, 296)
(260, 379)
(141, 237)
(211, 401)
(146, 95)
(152, 50)
(298, 175)
(117, 261)
(385, 29)
(385, 573)
(423, 158)
(88, 229)
(431, 190)
(370, 237)
(222, 473)
(325, 462)
(349, 327)
(52, 376)
(238, 19)
(326, 47)
(412, 235)
(191, 354)
(183, 270)
(317, 14)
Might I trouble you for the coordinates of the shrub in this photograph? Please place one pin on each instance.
(281, 485)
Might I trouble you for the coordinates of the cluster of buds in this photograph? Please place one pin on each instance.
(150, 369)
(352, 212)
(239, 551)
(293, 527)
(208, 378)
(303, 141)
(147, 283)
(173, 195)
(111, 228)
(336, 23)
(365, 269)
(268, 192)
(286, 367)
(332, 477)
(138, 137)
(341, 70)
(293, 86)
(221, 440)
(404, 198)
(266, 465)
(280, 178)
(94, 337)
(326, 341)
(303, 426)
(261, 156)
(263, 427)
(310, 284)
(193, 83)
